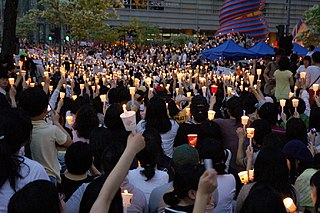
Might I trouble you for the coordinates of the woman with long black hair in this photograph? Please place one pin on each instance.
(15, 171)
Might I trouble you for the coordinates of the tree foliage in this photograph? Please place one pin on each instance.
(312, 19)
(86, 18)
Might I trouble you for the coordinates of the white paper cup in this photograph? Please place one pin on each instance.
(129, 120)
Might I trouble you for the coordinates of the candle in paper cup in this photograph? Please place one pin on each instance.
(243, 177)
(303, 75)
(132, 90)
(282, 104)
(93, 88)
(315, 87)
(177, 91)
(259, 72)
(214, 89)
(69, 119)
(74, 97)
(126, 198)
(188, 94)
(168, 87)
(289, 204)
(204, 90)
(51, 88)
(211, 114)
(295, 102)
(251, 79)
(250, 132)
(229, 90)
(46, 74)
(62, 95)
(244, 120)
(32, 84)
(192, 139)
(251, 175)
(81, 86)
(11, 81)
(129, 120)
(103, 98)
(42, 83)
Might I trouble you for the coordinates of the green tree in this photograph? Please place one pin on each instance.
(312, 19)
(9, 27)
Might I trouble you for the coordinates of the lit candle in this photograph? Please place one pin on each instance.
(259, 73)
(126, 199)
(289, 204)
(291, 94)
(74, 97)
(51, 88)
(282, 104)
(303, 75)
(251, 79)
(32, 84)
(211, 114)
(204, 90)
(188, 111)
(315, 88)
(188, 94)
(69, 119)
(295, 103)
(46, 74)
(244, 121)
(243, 177)
(62, 95)
(42, 83)
(229, 90)
(103, 98)
(11, 81)
(250, 134)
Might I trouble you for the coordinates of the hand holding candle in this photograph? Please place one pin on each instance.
(244, 121)
(11, 81)
(214, 89)
(250, 134)
(295, 104)
(282, 104)
(289, 204)
(211, 114)
(126, 199)
(192, 138)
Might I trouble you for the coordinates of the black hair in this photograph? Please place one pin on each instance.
(37, 196)
(273, 140)
(248, 102)
(315, 181)
(262, 128)
(311, 47)
(263, 198)
(91, 194)
(15, 131)
(149, 156)
(112, 118)
(209, 129)
(269, 112)
(157, 115)
(186, 178)
(316, 57)
(79, 102)
(214, 150)
(271, 168)
(34, 101)
(284, 63)
(314, 118)
(308, 58)
(78, 158)
(4, 104)
(86, 120)
(110, 157)
(100, 139)
(301, 106)
(294, 57)
(199, 108)
(234, 106)
(296, 129)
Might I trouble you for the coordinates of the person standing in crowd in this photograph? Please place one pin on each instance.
(16, 171)
(43, 148)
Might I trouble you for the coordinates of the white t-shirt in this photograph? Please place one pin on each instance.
(166, 138)
(139, 181)
(226, 190)
(30, 171)
(313, 72)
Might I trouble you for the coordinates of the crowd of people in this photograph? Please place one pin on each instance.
(203, 141)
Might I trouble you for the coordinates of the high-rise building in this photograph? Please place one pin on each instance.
(190, 16)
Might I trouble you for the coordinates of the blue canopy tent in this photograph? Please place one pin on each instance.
(300, 50)
(228, 50)
(262, 49)
(317, 49)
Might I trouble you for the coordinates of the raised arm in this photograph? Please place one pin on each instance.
(135, 144)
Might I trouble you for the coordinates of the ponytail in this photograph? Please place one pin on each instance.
(149, 171)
